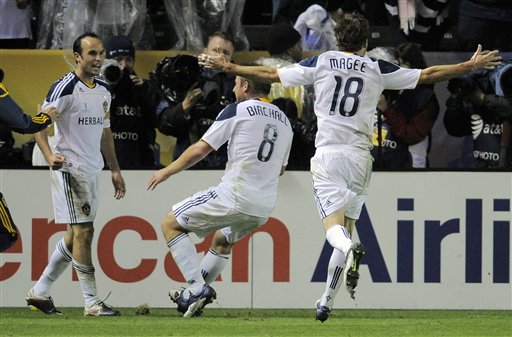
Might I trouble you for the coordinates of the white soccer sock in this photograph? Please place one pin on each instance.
(87, 283)
(212, 265)
(185, 255)
(339, 237)
(59, 260)
(334, 272)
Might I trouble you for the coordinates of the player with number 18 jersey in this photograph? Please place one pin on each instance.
(347, 88)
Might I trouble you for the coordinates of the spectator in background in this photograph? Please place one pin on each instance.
(420, 21)
(408, 118)
(284, 47)
(488, 22)
(187, 118)
(287, 11)
(194, 21)
(316, 29)
(15, 24)
(61, 21)
(480, 106)
(132, 111)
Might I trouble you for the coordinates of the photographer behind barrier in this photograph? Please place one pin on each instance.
(132, 112)
(480, 105)
(193, 98)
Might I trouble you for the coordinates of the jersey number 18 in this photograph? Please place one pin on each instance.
(351, 94)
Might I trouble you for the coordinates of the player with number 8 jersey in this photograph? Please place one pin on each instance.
(259, 137)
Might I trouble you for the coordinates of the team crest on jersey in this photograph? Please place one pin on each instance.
(105, 106)
(86, 208)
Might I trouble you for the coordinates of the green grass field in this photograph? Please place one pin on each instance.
(252, 322)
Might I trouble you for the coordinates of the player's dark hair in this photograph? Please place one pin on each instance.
(77, 45)
(258, 87)
(352, 30)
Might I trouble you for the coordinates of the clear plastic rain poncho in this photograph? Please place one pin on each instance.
(194, 20)
(62, 21)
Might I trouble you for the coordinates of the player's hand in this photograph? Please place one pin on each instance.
(119, 185)
(56, 161)
(50, 111)
(136, 80)
(210, 61)
(157, 177)
(486, 60)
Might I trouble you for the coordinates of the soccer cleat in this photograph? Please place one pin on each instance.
(322, 312)
(45, 304)
(101, 309)
(351, 270)
(174, 295)
(193, 306)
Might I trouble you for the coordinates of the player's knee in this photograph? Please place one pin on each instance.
(170, 226)
(220, 243)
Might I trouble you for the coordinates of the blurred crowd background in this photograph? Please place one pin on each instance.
(413, 129)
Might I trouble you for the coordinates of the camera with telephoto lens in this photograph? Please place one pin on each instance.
(112, 72)
(175, 75)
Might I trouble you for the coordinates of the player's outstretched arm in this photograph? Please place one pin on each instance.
(192, 155)
(481, 60)
(261, 73)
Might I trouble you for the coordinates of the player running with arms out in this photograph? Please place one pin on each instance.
(347, 87)
(82, 136)
(259, 137)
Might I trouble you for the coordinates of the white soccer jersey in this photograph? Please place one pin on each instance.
(84, 113)
(260, 137)
(347, 88)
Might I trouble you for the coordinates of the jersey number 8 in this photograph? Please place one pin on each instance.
(267, 144)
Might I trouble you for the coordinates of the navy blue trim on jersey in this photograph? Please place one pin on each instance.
(386, 67)
(310, 62)
(228, 112)
(64, 86)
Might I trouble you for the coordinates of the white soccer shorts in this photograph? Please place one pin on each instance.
(340, 180)
(75, 197)
(205, 212)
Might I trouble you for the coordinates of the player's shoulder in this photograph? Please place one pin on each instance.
(386, 67)
(62, 87)
(228, 112)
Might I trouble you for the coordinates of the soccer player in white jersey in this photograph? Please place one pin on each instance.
(347, 87)
(259, 137)
(76, 161)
